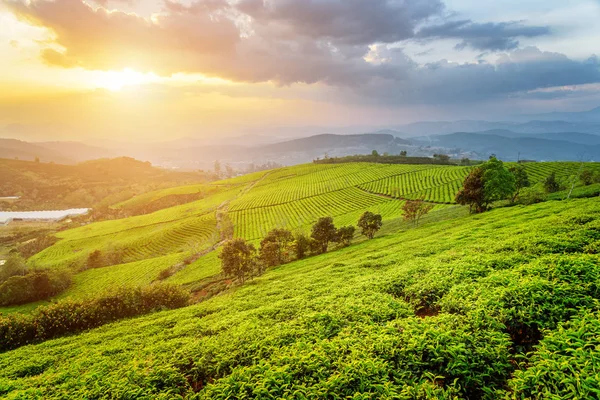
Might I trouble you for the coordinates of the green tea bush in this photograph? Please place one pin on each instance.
(71, 316)
(565, 364)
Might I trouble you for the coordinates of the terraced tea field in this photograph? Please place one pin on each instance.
(501, 305)
(291, 197)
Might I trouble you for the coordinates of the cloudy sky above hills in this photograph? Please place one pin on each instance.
(154, 69)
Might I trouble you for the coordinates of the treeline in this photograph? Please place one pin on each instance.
(492, 181)
(241, 260)
(21, 285)
(438, 159)
(69, 316)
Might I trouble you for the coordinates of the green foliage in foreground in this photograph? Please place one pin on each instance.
(68, 316)
(448, 310)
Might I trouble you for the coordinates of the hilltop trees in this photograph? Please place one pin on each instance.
(238, 258)
(521, 180)
(369, 223)
(275, 247)
(323, 232)
(344, 235)
(415, 209)
(485, 184)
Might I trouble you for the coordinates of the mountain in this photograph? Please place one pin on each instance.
(58, 152)
(13, 148)
(511, 148)
(531, 126)
(592, 115)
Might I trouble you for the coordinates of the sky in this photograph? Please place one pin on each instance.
(153, 70)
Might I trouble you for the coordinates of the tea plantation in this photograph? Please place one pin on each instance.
(500, 305)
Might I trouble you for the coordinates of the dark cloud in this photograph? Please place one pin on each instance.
(344, 22)
(488, 36)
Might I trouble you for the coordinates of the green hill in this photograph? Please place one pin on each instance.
(141, 247)
(446, 310)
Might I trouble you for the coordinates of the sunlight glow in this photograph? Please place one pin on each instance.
(116, 80)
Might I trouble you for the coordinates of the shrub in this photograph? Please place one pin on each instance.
(34, 286)
(71, 316)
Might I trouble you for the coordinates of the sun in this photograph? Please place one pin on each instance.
(117, 80)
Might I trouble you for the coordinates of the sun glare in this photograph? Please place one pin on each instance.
(116, 80)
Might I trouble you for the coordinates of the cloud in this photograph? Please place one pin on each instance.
(351, 47)
(484, 37)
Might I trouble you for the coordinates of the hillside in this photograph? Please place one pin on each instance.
(143, 246)
(447, 310)
(99, 182)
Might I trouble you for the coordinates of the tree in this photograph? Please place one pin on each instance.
(229, 170)
(587, 177)
(442, 157)
(489, 182)
(374, 153)
(369, 223)
(275, 247)
(217, 168)
(403, 153)
(415, 209)
(95, 259)
(13, 266)
(521, 180)
(551, 184)
(238, 259)
(301, 245)
(472, 193)
(465, 161)
(344, 235)
(323, 232)
(498, 181)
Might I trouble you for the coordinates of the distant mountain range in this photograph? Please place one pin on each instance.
(576, 136)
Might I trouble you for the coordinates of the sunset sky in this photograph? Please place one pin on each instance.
(154, 70)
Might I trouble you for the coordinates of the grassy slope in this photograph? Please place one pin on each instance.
(292, 197)
(362, 321)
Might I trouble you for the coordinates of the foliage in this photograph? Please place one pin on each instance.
(472, 192)
(414, 210)
(564, 364)
(521, 179)
(238, 259)
(370, 223)
(33, 286)
(344, 235)
(323, 232)
(301, 245)
(551, 183)
(433, 312)
(71, 316)
(498, 181)
(13, 266)
(275, 248)
(587, 177)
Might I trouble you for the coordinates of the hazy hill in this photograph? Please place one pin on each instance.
(57, 151)
(509, 148)
(53, 186)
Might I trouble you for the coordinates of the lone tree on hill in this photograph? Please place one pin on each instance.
(369, 223)
(521, 180)
(489, 182)
(344, 235)
(415, 209)
(238, 259)
(551, 184)
(275, 247)
(323, 232)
